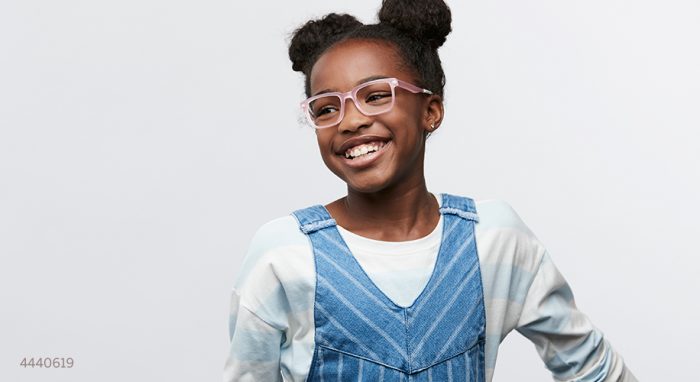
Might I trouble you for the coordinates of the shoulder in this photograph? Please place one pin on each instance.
(504, 237)
(277, 232)
(499, 214)
(494, 214)
(274, 245)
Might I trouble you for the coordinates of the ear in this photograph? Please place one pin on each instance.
(434, 113)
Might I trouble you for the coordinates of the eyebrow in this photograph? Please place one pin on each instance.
(362, 81)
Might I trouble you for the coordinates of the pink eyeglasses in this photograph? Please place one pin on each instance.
(370, 98)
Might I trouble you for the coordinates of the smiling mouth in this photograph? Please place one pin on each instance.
(360, 151)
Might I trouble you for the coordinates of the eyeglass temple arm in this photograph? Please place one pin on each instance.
(412, 87)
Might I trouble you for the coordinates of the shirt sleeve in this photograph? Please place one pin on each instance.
(572, 348)
(254, 354)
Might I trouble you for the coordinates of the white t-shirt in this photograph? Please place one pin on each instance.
(400, 269)
(271, 323)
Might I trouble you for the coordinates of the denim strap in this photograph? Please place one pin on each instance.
(313, 218)
(461, 206)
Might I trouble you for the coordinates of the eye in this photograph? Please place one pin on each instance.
(324, 106)
(325, 110)
(378, 97)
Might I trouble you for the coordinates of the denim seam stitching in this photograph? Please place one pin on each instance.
(317, 225)
(461, 213)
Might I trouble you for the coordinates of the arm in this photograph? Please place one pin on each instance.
(254, 354)
(566, 340)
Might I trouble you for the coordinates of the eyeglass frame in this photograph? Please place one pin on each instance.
(352, 94)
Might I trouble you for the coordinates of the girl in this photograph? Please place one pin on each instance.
(392, 282)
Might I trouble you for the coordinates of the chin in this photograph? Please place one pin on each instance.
(366, 182)
(365, 190)
(367, 186)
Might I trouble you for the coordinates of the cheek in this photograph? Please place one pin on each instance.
(323, 141)
(410, 113)
(408, 125)
(325, 148)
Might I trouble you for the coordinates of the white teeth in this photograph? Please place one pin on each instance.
(363, 149)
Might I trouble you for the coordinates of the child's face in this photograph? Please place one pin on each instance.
(400, 161)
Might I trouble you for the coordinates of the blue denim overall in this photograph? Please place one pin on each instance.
(362, 335)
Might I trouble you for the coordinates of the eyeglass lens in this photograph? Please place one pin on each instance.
(371, 99)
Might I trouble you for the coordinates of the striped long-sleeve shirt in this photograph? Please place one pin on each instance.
(271, 323)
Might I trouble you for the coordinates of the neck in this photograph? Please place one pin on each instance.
(392, 214)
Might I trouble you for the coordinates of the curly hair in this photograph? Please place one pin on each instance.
(417, 28)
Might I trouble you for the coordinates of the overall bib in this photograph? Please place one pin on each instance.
(362, 335)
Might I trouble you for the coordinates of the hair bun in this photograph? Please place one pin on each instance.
(316, 35)
(425, 20)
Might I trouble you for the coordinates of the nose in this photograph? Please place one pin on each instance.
(353, 118)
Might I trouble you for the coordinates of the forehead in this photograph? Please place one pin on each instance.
(350, 61)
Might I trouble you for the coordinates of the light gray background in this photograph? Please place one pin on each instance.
(143, 142)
